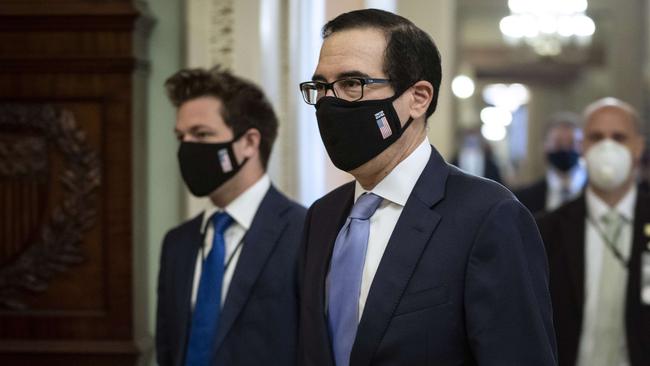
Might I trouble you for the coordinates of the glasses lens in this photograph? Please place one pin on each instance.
(311, 92)
(349, 89)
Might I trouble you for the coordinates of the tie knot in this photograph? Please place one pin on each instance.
(221, 221)
(612, 217)
(365, 206)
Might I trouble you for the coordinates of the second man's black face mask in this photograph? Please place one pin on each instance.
(206, 166)
(356, 132)
(563, 160)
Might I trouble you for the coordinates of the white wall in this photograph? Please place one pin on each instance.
(157, 185)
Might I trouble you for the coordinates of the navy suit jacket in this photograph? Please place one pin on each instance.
(563, 231)
(259, 319)
(534, 196)
(463, 280)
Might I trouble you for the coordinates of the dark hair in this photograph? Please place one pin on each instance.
(244, 103)
(563, 119)
(411, 55)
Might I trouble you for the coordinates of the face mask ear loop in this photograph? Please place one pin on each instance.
(407, 124)
(394, 98)
(236, 138)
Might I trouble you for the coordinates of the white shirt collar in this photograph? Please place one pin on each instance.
(243, 208)
(577, 179)
(596, 207)
(398, 184)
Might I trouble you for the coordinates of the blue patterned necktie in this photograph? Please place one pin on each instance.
(344, 280)
(205, 318)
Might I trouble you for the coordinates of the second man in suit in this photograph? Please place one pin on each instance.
(598, 248)
(227, 284)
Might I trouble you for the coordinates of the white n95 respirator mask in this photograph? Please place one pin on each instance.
(609, 164)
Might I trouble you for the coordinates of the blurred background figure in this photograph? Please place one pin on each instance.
(597, 248)
(475, 156)
(565, 174)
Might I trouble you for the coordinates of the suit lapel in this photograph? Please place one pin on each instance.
(573, 244)
(319, 244)
(324, 237)
(412, 232)
(187, 265)
(259, 242)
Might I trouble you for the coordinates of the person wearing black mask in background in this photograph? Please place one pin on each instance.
(565, 176)
(227, 283)
(414, 262)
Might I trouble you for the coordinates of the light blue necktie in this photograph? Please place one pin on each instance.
(344, 280)
(205, 319)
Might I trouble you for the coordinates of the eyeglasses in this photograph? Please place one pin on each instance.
(350, 89)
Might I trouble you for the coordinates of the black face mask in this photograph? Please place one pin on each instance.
(563, 160)
(205, 167)
(356, 132)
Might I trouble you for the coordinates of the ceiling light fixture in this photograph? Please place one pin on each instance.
(547, 25)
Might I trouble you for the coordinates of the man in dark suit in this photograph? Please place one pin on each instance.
(227, 289)
(644, 176)
(598, 248)
(565, 177)
(415, 262)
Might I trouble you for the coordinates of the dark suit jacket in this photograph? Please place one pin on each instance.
(258, 324)
(463, 280)
(533, 196)
(644, 187)
(563, 231)
(492, 170)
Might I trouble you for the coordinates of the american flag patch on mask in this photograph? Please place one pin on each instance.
(383, 125)
(224, 160)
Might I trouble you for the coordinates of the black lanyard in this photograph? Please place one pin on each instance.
(609, 244)
(230, 258)
(237, 249)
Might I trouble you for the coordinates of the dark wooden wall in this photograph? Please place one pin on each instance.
(66, 71)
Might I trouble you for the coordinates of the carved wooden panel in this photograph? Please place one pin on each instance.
(42, 237)
(65, 182)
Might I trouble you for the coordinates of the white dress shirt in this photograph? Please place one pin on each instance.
(602, 265)
(395, 189)
(556, 184)
(242, 209)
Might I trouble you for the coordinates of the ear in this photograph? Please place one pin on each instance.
(250, 143)
(422, 94)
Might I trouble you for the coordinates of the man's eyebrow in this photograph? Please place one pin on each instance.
(194, 128)
(200, 126)
(353, 74)
(343, 75)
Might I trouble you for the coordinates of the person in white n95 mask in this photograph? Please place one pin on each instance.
(609, 164)
(597, 248)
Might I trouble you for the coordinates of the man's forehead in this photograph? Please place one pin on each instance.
(358, 50)
(564, 129)
(609, 118)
